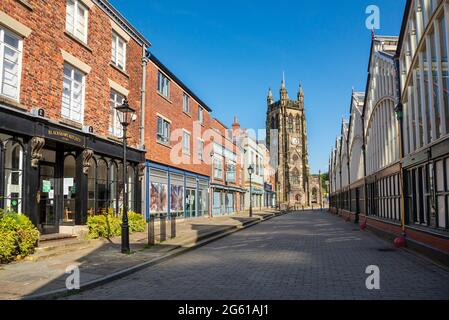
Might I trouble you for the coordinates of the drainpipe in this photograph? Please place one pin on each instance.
(142, 97)
(400, 116)
(142, 142)
(365, 185)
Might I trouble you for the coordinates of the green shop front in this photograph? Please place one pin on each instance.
(58, 175)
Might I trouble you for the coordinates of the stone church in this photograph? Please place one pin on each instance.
(287, 132)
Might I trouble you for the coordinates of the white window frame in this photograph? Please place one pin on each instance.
(218, 168)
(186, 142)
(76, 5)
(163, 85)
(231, 175)
(200, 149)
(163, 135)
(83, 94)
(186, 103)
(200, 115)
(117, 39)
(9, 187)
(2, 57)
(117, 129)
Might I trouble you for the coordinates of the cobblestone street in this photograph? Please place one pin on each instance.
(312, 255)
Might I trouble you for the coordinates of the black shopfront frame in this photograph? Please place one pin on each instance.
(38, 133)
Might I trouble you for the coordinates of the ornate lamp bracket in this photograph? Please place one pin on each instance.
(87, 156)
(37, 144)
(141, 170)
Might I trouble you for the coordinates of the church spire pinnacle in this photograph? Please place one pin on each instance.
(283, 92)
(270, 97)
(300, 92)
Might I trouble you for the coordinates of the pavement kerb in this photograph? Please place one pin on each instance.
(185, 247)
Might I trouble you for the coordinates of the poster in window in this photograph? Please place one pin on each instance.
(158, 197)
(176, 198)
(164, 197)
(154, 197)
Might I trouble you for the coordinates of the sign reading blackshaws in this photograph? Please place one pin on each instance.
(65, 136)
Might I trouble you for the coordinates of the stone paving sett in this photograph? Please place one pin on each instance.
(102, 258)
(297, 256)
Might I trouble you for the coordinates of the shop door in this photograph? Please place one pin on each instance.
(47, 198)
(191, 203)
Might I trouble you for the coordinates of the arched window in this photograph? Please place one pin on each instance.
(91, 190)
(113, 181)
(290, 123)
(131, 189)
(298, 123)
(120, 185)
(273, 123)
(102, 185)
(13, 176)
(69, 188)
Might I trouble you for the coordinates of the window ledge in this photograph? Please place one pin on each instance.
(118, 69)
(12, 103)
(187, 114)
(115, 138)
(164, 97)
(71, 123)
(164, 144)
(26, 4)
(80, 42)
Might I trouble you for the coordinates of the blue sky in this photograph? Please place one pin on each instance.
(230, 52)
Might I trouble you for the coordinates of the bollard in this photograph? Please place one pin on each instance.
(163, 227)
(173, 227)
(151, 238)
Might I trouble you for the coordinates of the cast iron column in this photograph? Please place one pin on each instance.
(125, 226)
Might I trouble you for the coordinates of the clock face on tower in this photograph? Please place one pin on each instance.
(295, 141)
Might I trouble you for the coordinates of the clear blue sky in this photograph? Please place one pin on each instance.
(230, 52)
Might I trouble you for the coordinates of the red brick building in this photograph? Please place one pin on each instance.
(176, 135)
(65, 65)
(227, 173)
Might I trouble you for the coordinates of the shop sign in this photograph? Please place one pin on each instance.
(65, 136)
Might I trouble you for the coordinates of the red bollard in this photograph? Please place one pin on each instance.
(400, 242)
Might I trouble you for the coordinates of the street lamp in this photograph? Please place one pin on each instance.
(211, 196)
(250, 172)
(125, 115)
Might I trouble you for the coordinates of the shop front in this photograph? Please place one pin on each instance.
(57, 175)
(225, 200)
(175, 193)
(270, 196)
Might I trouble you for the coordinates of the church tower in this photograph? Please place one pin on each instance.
(287, 133)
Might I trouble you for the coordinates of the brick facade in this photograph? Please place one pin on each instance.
(223, 138)
(43, 63)
(171, 109)
(82, 160)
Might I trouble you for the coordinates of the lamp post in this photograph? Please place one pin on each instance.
(250, 172)
(125, 115)
(211, 196)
